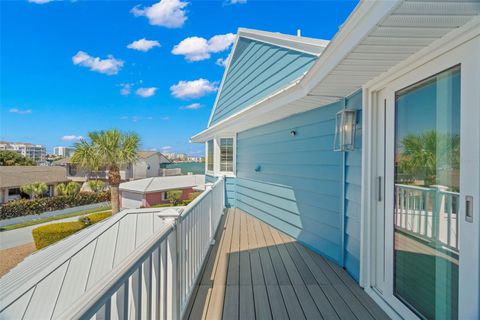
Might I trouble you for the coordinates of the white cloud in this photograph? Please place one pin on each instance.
(126, 88)
(146, 92)
(108, 66)
(166, 118)
(166, 147)
(193, 89)
(166, 13)
(236, 1)
(193, 106)
(143, 45)
(18, 111)
(40, 1)
(197, 48)
(71, 138)
(222, 62)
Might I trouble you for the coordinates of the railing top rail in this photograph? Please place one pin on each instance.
(407, 186)
(198, 199)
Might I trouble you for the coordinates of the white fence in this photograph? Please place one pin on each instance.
(157, 282)
(428, 213)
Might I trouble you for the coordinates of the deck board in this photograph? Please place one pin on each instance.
(256, 272)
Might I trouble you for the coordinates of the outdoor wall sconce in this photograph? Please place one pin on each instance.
(293, 133)
(345, 130)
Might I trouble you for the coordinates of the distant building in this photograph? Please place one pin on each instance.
(149, 164)
(13, 177)
(36, 152)
(63, 151)
(153, 191)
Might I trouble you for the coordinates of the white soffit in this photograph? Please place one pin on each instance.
(408, 28)
(377, 36)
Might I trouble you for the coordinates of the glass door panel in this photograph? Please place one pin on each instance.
(427, 195)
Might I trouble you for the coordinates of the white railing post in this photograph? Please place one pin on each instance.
(172, 279)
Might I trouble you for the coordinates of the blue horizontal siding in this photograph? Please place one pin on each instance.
(298, 186)
(353, 171)
(230, 192)
(230, 201)
(257, 70)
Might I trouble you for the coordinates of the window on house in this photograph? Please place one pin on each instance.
(226, 154)
(210, 155)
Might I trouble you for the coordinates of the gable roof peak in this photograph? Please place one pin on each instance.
(299, 43)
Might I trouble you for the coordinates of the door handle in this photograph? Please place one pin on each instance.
(469, 208)
(379, 190)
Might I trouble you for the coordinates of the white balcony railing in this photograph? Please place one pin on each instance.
(152, 280)
(428, 213)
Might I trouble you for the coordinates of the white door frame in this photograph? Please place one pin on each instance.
(459, 47)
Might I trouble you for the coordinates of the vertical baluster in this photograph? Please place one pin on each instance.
(155, 291)
(163, 280)
(122, 302)
(171, 279)
(146, 289)
(420, 206)
(136, 294)
(448, 203)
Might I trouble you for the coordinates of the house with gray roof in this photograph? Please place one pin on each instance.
(13, 177)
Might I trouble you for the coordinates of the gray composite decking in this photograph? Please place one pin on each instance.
(256, 272)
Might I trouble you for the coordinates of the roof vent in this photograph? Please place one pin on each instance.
(299, 33)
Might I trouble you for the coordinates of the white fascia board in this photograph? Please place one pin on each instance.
(281, 97)
(303, 44)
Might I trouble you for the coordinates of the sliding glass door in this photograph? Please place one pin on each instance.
(426, 195)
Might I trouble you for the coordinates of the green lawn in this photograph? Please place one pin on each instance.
(39, 221)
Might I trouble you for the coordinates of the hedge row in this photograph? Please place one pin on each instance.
(46, 235)
(24, 207)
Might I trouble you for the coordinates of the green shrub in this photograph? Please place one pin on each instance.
(186, 202)
(96, 217)
(24, 207)
(46, 235)
(51, 233)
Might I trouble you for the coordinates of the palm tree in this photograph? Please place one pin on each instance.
(70, 189)
(110, 149)
(424, 154)
(96, 185)
(34, 190)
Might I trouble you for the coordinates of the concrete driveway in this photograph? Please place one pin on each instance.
(21, 236)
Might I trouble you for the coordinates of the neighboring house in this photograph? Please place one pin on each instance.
(149, 164)
(399, 78)
(36, 152)
(148, 192)
(364, 149)
(13, 177)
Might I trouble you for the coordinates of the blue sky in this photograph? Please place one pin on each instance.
(70, 67)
